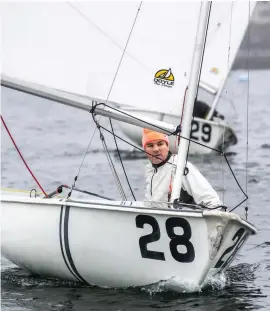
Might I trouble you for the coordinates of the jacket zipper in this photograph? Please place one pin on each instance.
(152, 180)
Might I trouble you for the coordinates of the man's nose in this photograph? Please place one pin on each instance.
(155, 148)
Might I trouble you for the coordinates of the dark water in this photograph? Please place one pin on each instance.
(54, 140)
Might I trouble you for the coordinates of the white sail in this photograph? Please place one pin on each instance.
(51, 44)
(227, 26)
(70, 52)
(79, 47)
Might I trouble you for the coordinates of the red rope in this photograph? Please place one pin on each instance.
(22, 157)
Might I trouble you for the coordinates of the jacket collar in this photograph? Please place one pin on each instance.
(163, 162)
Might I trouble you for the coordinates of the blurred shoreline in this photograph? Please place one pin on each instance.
(254, 52)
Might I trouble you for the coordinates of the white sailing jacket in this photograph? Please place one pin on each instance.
(160, 177)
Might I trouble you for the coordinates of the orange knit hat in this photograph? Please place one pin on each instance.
(149, 136)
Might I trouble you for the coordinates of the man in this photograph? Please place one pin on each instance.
(161, 170)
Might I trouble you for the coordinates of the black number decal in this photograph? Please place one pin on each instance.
(183, 239)
(141, 220)
(235, 246)
(206, 129)
(176, 240)
(194, 129)
(238, 246)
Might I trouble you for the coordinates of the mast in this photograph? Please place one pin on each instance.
(191, 95)
(217, 97)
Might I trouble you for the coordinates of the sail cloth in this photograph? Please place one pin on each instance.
(55, 45)
(227, 26)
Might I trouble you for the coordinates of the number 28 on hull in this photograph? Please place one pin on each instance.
(116, 244)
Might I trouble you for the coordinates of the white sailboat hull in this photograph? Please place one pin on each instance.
(213, 134)
(118, 245)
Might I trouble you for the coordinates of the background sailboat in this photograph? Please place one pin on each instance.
(63, 227)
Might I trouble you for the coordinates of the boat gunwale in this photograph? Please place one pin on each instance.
(104, 205)
(123, 207)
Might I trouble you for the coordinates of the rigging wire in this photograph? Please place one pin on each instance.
(71, 4)
(223, 134)
(229, 52)
(103, 141)
(168, 132)
(79, 170)
(115, 175)
(181, 120)
(118, 68)
(182, 137)
(176, 132)
(122, 56)
(248, 90)
(28, 168)
(118, 152)
(94, 106)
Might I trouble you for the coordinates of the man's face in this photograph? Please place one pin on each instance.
(158, 151)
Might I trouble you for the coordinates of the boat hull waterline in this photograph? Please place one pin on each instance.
(118, 244)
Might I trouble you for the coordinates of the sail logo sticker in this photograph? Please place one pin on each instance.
(164, 77)
(214, 70)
